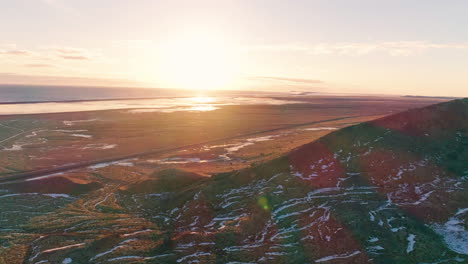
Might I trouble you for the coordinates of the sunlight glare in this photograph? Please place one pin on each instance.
(198, 61)
(202, 99)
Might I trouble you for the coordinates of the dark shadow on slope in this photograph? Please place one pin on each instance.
(60, 185)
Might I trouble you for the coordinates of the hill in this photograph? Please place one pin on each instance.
(391, 190)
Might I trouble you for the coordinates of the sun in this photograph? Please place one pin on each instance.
(198, 61)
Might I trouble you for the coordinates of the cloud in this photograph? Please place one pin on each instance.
(15, 52)
(68, 50)
(51, 53)
(38, 65)
(70, 57)
(70, 53)
(284, 79)
(392, 48)
(25, 79)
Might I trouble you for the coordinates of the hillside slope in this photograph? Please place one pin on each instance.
(388, 191)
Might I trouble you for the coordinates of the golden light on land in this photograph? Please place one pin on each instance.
(198, 61)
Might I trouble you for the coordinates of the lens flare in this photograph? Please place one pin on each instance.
(262, 201)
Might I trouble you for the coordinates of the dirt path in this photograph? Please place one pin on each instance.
(16, 135)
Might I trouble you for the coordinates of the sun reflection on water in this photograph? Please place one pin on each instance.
(202, 103)
(167, 105)
(203, 99)
(203, 108)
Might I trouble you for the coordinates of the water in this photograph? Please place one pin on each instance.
(20, 93)
(43, 99)
(24, 93)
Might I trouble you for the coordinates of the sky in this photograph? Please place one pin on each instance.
(417, 47)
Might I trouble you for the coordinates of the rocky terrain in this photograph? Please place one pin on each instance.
(392, 190)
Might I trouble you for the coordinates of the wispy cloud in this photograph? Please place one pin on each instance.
(71, 53)
(38, 65)
(72, 57)
(15, 78)
(50, 53)
(68, 50)
(393, 48)
(284, 79)
(15, 52)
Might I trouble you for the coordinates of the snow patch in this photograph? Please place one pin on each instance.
(178, 160)
(45, 176)
(14, 147)
(107, 164)
(82, 135)
(319, 128)
(197, 254)
(99, 146)
(411, 243)
(341, 256)
(454, 233)
(57, 195)
(71, 123)
(53, 195)
(248, 142)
